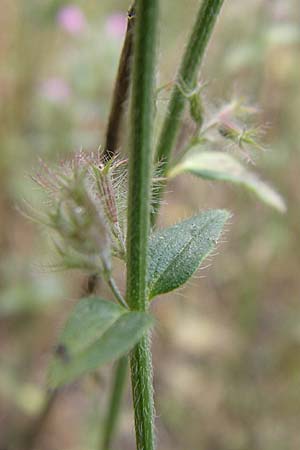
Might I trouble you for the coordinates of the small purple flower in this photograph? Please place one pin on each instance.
(56, 89)
(115, 25)
(71, 19)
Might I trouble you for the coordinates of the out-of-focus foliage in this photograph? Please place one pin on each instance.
(97, 332)
(227, 361)
(222, 166)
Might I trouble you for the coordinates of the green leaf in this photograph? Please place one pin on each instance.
(224, 167)
(96, 333)
(175, 253)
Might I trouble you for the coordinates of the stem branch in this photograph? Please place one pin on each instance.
(186, 77)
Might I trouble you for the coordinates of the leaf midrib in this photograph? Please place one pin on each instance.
(174, 260)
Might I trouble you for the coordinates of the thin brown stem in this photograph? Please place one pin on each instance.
(120, 95)
(121, 90)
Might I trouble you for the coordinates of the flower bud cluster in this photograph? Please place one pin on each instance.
(231, 127)
(234, 123)
(82, 198)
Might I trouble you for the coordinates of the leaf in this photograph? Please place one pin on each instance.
(222, 166)
(96, 333)
(175, 253)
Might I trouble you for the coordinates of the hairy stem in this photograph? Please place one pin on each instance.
(186, 79)
(140, 174)
(142, 391)
(114, 403)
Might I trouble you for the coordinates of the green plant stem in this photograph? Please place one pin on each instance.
(140, 174)
(142, 391)
(186, 80)
(114, 403)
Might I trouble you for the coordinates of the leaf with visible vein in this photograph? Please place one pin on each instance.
(175, 253)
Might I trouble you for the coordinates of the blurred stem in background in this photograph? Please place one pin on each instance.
(32, 436)
(186, 80)
(115, 401)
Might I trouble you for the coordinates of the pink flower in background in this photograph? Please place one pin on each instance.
(115, 25)
(71, 19)
(56, 89)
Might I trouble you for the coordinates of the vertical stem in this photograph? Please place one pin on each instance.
(114, 403)
(140, 173)
(142, 391)
(186, 77)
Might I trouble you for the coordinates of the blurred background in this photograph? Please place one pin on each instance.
(227, 347)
